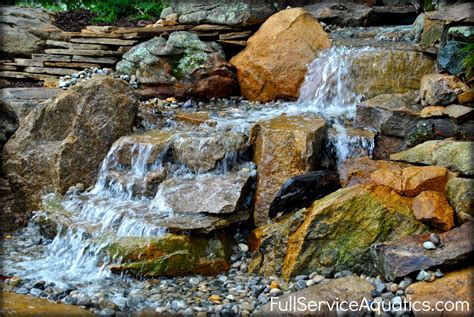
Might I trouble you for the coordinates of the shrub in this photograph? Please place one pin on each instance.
(108, 11)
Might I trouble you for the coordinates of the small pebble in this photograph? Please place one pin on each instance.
(300, 284)
(318, 279)
(393, 287)
(243, 247)
(275, 292)
(423, 276)
(435, 239)
(428, 245)
(301, 278)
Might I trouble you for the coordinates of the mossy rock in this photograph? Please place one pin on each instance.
(171, 255)
(336, 233)
(454, 155)
(340, 228)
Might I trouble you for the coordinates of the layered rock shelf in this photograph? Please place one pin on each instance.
(64, 53)
(234, 159)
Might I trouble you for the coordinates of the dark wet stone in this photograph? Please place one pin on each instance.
(302, 190)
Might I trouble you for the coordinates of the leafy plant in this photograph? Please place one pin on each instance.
(468, 62)
(108, 11)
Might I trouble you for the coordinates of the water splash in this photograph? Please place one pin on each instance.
(120, 204)
(328, 91)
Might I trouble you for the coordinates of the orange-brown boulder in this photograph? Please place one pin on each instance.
(273, 64)
(284, 147)
(411, 181)
(433, 209)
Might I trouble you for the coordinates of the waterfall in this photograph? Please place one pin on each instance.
(328, 90)
(124, 202)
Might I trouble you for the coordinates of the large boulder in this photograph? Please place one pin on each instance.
(358, 171)
(171, 255)
(337, 232)
(24, 30)
(410, 181)
(63, 141)
(440, 89)
(454, 290)
(11, 216)
(204, 151)
(451, 58)
(402, 122)
(214, 194)
(454, 155)
(8, 123)
(284, 147)
(273, 64)
(330, 291)
(269, 243)
(181, 66)
(388, 71)
(229, 12)
(389, 114)
(402, 257)
(460, 194)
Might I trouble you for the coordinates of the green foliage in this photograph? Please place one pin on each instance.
(49, 5)
(108, 11)
(469, 60)
(428, 5)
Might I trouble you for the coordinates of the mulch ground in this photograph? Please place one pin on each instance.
(76, 20)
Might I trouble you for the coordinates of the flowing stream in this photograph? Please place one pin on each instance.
(124, 202)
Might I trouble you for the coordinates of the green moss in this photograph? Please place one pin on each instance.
(187, 64)
(428, 5)
(171, 255)
(343, 227)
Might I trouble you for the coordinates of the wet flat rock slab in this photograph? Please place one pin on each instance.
(401, 257)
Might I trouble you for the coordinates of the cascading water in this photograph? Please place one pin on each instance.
(123, 203)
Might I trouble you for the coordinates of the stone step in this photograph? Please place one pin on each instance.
(235, 35)
(49, 70)
(100, 60)
(69, 35)
(105, 41)
(77, 46)
(71, 64)
(232, 43)
(152, 31)
(8, 67)
(100, 53)
(51, 57)
(28, 62)
(213, 28)
(24, 75)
